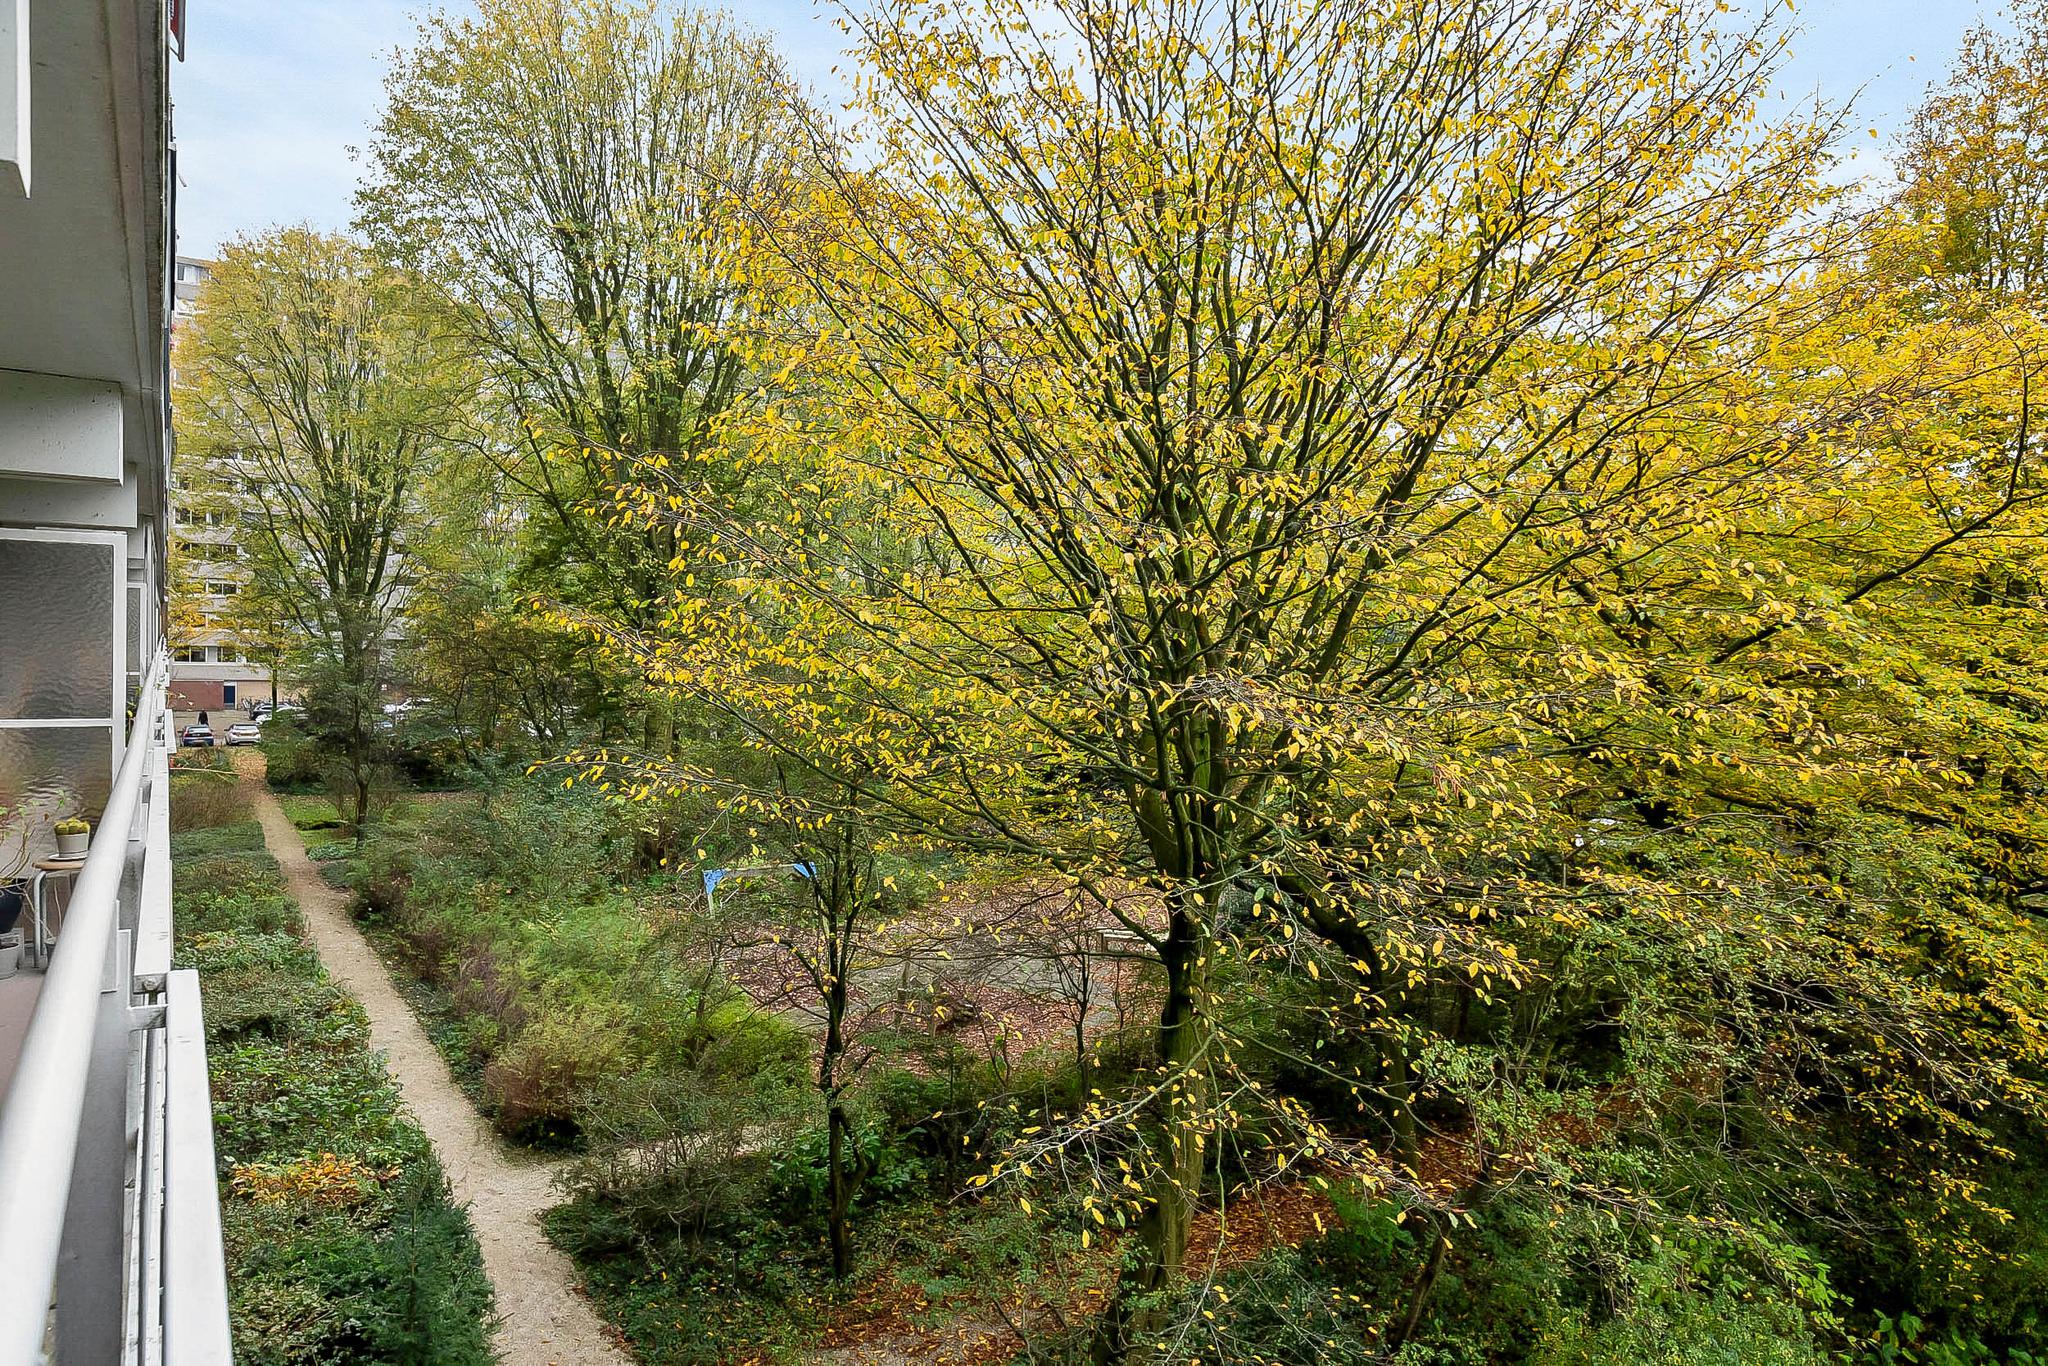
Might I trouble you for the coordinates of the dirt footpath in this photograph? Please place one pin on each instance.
(543, 1320)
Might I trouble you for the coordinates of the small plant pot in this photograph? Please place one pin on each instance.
(10, 954)
(73, 846)
(13, 901)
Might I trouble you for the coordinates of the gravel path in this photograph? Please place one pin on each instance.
(543, 1319)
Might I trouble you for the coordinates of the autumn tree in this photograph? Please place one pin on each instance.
(572, 178)
(312, 371)
(1424, 489)
(1975, 163)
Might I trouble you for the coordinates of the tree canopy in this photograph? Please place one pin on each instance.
(1436, 495)
(1514, 593)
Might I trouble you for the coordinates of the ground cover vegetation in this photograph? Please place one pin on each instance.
(342, 1242)
(1263, 681)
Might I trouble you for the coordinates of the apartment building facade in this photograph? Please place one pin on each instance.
(214, 666)
(109, 1208)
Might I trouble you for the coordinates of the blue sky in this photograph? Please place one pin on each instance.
(275, 94)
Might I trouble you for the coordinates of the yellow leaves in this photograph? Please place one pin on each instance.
(324, 1180)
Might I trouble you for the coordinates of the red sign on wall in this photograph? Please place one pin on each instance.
(177, 18)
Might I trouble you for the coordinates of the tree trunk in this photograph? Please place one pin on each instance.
(362, 782)
(1183, 1035)
(1418, 1300)
(838, 1192)
(1084, 977)
(1401, 1091)
(841, 1182)
(1162, 1234)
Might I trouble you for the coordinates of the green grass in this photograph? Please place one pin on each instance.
(343, 1244)
(319, 822)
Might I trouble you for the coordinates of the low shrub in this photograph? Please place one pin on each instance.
(379, 890)
(797, 1180)
(307, 812)
(204, 798)
(536, 1083)
(684, 1153)
(488, 990)
(241, 836)
(215, 760)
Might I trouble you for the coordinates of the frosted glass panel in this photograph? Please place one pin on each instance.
(50, 772)
(134, 641)
(141, 638)
(57, 616)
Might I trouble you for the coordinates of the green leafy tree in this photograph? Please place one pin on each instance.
(313, 369)
(573, 179)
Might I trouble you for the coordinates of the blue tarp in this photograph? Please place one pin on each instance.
(714, 876)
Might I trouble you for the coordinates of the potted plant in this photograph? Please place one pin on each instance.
(74, 837)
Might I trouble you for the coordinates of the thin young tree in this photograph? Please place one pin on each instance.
(820, 909)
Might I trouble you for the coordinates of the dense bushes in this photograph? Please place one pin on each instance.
(342, 1243)
(292, 760)
(575, 995)
(206, 798)
(1529, 1282)
(568, 991)
(544, 981)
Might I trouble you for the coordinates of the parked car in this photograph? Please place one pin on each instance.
(197, 737)
(244, 733)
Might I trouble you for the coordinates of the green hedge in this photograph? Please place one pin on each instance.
(343, 1244)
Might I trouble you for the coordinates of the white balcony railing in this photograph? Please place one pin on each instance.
(107, 1186)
